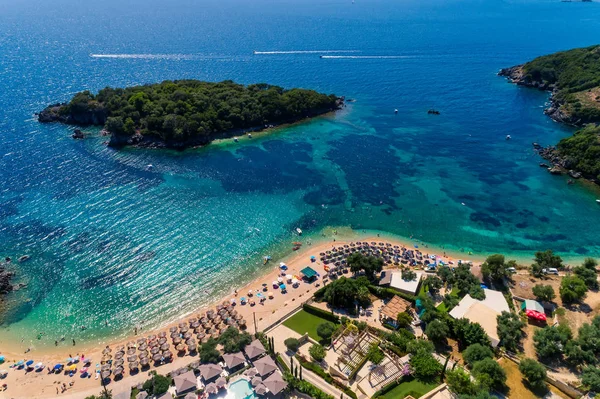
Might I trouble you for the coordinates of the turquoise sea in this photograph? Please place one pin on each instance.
(114, 245)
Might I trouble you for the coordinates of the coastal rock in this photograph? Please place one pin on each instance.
(64, 114)
(574, 174)
(78, 134)
(5, 278)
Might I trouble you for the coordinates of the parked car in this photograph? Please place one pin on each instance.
(511, 270)
(550, 270)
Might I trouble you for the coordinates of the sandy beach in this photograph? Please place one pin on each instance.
(44, 385)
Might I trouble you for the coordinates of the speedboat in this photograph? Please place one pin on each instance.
(396, 111)
(598, 201)
(508, 137)
(235, 139)
(298, 231)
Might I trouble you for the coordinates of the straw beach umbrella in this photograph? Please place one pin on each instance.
(132, 358)
(105, 367)
(155, 350)
(164, 347)
(119, 363)
(180, 347)
(131, 352)
(157, 357)
(105, 374)
(118, 371)
(177, 340)
(106, 350)
(173, 329)
(167, 355)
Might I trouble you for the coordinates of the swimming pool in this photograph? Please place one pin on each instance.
(240, 389)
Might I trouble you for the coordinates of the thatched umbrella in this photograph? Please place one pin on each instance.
(173, 329)
(238, 317)
(180, 347)
(210, 311)
(204, 320)
(162, 341)
(130, 344)
(213, 316)
(105, 367)
(192, 347)
(177, 340)
(152, 337)
(242, 322)
(222, 325)
(212, 331)
(118, 355)
(164, 347)
(190, 341)
(143, 347)
(233, 312)
(230, 322)
(199, 329)
(187, 335)
(184, 329)
(120, 348)
(131, 351)
(181, 325)
(155, 350)
(195, 324)
(229, 308)
(205, 339)
(105, 374)
(106, 350)
(132, 358)
(157, 357)
(200, 336)
(162, 334)
(174, 335)
(141, 341)
(119, 363)
(118, 371)
(167, 354)
(223, 311)
(133, 365)
(106, 357)
(219, 307)
(144, 354)
(144, 361)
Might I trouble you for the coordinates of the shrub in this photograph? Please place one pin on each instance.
(510, 330)
(375, 355)
(209, 353)
(591, 378)
(572, 289)
(477, 352)
(157, 384)
(544, 293)
(321, 313)
(460, 382)
(404, 319)
(437, 330)
(325, 331)
(489, 374)
(317, 352)
(534, 372)
(424, 366)
(292, 344)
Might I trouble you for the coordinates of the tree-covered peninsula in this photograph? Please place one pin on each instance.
(185, 113)
(572, 76)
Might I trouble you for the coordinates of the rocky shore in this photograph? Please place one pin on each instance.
(556, 110)
(5, 280)
(559, 164)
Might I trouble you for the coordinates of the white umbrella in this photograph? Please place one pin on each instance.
(279, 280)
(289, 277)
(275, 282)
(295, 281)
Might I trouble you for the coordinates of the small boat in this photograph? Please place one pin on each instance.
(249, 136)
(297, 243)
(24, 258)
(298, 231)
(396, 111)
(433, 112)
(598, 201)
(235, 139)
(295, 248)
(266, 259)
(149, 167)
(508, 137)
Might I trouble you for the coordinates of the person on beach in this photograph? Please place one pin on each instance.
(73, 341)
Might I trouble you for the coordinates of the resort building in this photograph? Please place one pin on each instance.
(210, 371)
(534, 310)
(394, 279)
(389, 313)
(185, 383)
(265, 366)
(255, 350)
(234, 361)
(484, 312)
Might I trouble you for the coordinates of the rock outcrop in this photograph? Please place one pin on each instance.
(5, 280)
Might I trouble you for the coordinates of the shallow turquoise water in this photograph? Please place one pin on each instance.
(114, 245)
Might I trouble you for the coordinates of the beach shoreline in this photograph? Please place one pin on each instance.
(265, 315)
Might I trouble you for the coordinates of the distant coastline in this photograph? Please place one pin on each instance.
(187, 113)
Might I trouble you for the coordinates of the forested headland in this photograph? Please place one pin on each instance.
(184, 113)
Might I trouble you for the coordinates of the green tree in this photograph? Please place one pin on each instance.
(489, 374)
(572, 289)
(437, 330)
(420, 345)
(370, 265)
(477, 352)
(434, 284)
(317, 352)
(545, 260)
(400, 339)
(591, 378)
(424, 366)
(157, 385)
(468, 333)
(375, 355)
(544, 293)
(233, 340)
(481, 394)
(576, 356)
(346, 293)
(467, 283)
(510, 330)
(404, 319)
(292, 344)
(209, 353)
(534, 372)
(587, 272)
(450, 301)
(430, 312)
(549, 341)
(326, 330)
(495, 267)
(408, 275)
(460, 382)
(445, 274)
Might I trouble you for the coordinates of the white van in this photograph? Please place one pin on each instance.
(551, 270)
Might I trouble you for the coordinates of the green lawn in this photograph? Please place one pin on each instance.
(304, 322)
(410, 387)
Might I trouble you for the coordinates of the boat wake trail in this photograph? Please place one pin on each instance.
(146, 56)
(306, 52)
(367, 57)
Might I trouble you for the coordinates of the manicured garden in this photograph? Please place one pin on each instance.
(410, 386)
(304, 322)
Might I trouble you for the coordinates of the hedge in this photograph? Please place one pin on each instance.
(321, 313)
(325, 375)
(281, 363)
(387, 293)
(358, 367)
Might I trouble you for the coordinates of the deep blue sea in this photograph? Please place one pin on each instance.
(113, 244)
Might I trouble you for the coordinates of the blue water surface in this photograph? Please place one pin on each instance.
(114, 245)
